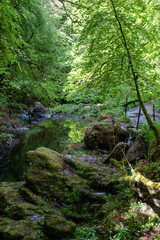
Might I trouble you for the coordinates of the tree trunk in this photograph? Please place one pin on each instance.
(135, 76)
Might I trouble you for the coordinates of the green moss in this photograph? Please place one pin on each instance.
(11, 230)
(57, 227)
(39, 180)
(12, 205)
(96, 175)
(45, 158)
(75, 181)
(117, 164)
(14, 211)
(44, 169)
(81, 166)
(46, 183)
(28, 195)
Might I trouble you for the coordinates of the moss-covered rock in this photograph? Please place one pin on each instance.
(44, 158)
(20, 218)
(12, 205)
(13, 230)
(56, 187)
(44, 173)
(39, 180)
(105, 134)
(28, 195)
(57, 227)
(81, 166)
(97, 175)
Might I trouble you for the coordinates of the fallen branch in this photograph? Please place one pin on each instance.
(147, 190)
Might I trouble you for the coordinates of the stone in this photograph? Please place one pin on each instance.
(105, 134)
(37, 112)
(13, 230)
(45, 158)
(44, 173)
(39, 107)
(58, 228)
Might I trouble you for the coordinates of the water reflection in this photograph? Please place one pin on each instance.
(51, 134)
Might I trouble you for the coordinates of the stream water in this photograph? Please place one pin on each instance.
(55, 135)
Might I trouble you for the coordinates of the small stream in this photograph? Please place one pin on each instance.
(55, 135)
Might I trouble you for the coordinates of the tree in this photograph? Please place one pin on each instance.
(11, 40)
(36, 58)
(117, 45)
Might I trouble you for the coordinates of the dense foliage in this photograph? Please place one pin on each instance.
(108, 32)
(34, 52)
(40, 39)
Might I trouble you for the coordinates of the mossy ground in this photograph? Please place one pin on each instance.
(75, 191)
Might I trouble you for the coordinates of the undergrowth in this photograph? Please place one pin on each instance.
(93, 110)
(148, 133)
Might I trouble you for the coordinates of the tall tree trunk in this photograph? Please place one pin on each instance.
(135, 76)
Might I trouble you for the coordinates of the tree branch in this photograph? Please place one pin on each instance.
(73, 21)
(135, 76)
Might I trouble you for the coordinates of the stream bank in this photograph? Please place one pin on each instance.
(75, 195)
(13, 126)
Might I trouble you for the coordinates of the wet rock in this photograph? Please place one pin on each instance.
(38, 112)
(105, 134)
(58, 228)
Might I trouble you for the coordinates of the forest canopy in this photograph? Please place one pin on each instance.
(63, 50)
(35, 56)
(101, 60)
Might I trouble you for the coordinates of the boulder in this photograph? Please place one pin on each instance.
(37, 112)
(57, 227)
(17, 217)
(44, 173)
(105, 134)
(58, 189)
(13, 230)
(44, 158)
